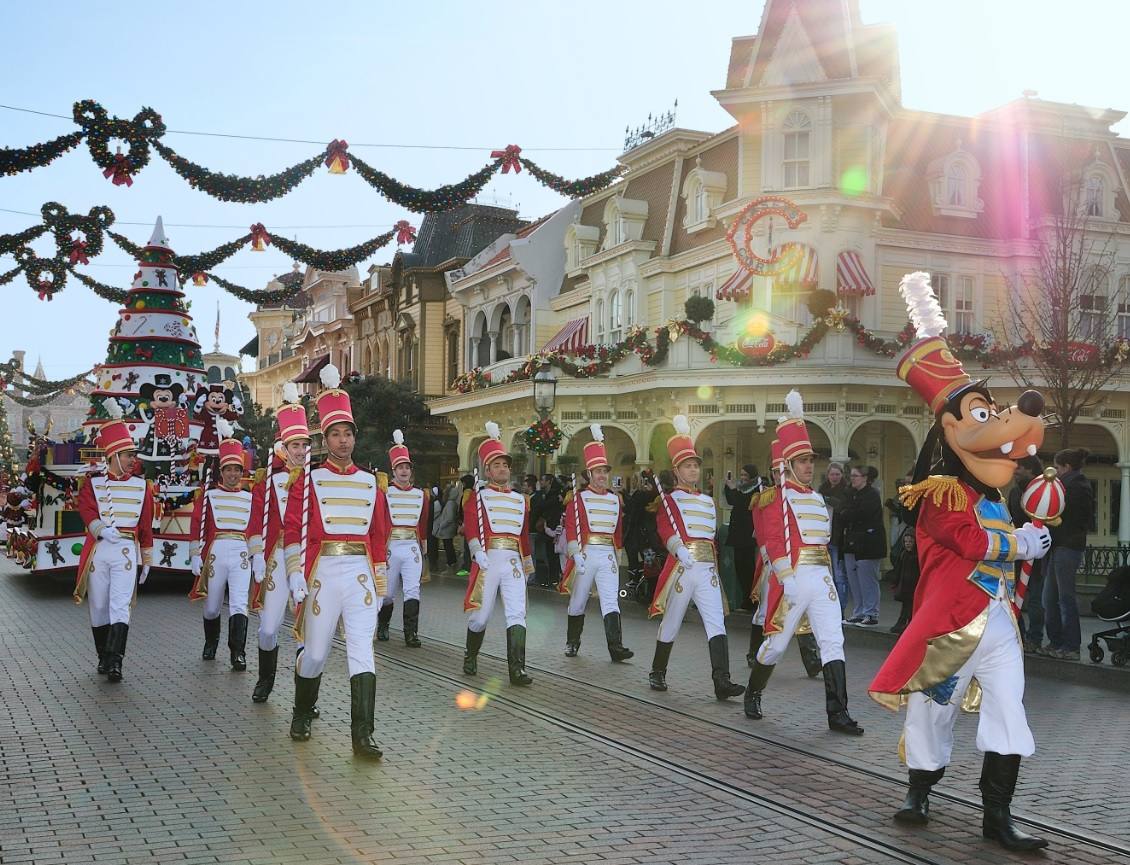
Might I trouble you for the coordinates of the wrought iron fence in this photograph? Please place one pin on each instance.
(1098, 562)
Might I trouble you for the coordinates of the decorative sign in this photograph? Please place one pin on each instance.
(756, 346)
(740, 236)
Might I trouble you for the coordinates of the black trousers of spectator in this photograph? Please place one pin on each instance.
(744, 560)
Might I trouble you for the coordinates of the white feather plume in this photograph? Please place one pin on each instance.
(224, 429)
(681, 424)
(397, 437)
(112, 408)
(922, 304)
(493, 430)
(597, 432)
(290, 392)
(794, 402)
(330, 376)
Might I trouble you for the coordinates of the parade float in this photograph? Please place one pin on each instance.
(154, 371)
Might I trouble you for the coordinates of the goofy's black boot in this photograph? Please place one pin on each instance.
(756, 638)
(211, 638)
(237, 641)
(305, 696)
(516, 655)
(383, 618)
(998, 782)
(471, 653)
(835, 695)
(116, 650)
(362, 699)
(758, 679)
(614, 634)
(657, 679)
(101, 634)
(268, 664)
(809, 654)
(720, 669)
(573, 630)
(412, 624)
(915, 810)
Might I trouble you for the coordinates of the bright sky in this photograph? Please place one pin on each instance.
(484, 74)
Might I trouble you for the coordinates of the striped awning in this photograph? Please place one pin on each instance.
(803, 272)
(572, 337)
(851, 275)
(737, 287)
(310, 374)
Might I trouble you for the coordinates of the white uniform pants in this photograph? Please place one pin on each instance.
(341, 588)
(504, 576)
(231, 569)
(998, 664)
(812, 591)
(762, 592)
(274, 595)
(698, 583)
(405, 567)
(111, 581)
(600, 567)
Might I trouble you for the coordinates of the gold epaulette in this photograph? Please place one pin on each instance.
(653, 506)
(568, 498)
(258, 476)
(382, 481)
(292, 477)
(945, 492)
(767, 497)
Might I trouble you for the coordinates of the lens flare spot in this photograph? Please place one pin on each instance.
(854, 181)
(705, 391)
(756, 324)
(467, 700)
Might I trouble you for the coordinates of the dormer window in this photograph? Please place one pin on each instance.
(1093, 196)
(702, 192)
(955, 182)
(1096, 191)
(623, 220)
(580, 243)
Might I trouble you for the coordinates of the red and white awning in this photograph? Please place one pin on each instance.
(803, 272)
(851, 276)
(737, 287)
(572, 337)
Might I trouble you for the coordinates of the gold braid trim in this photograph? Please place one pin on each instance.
(292, 477)
(944, 492)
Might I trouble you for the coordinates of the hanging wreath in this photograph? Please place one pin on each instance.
(543, 437)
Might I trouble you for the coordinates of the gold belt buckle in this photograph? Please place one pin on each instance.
(343, 548)
(402, 533)
(601, 541)
(503, 543)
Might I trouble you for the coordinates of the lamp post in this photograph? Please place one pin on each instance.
(545, 395)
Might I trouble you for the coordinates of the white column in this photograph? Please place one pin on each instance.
(1124, 505)
(493, 346)
(473, 360)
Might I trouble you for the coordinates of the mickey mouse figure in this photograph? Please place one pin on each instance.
(168, 425)
(214, 401)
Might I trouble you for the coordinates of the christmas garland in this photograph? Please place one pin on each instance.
(106, 292)
(10, 372)
(67, 485)
(257, 297)
(543, 437)
(147, 128)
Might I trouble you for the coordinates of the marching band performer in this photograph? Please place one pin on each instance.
(594, 533)
(962, 649)
(335, 532)
(270, 592)
(796, 541)
(497, 528)
(117, 509)
(227, 549)
(686, 522)
(408, 544)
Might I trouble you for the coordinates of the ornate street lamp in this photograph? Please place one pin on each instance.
(545, 390)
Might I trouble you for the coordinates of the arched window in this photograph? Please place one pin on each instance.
(797, 129)
(600, 322)
(614, 318)
(629, 308)
(701, 204)
(505, 335)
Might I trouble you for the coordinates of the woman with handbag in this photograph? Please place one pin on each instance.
(865, 545)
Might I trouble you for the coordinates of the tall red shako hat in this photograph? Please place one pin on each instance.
(492, 448)
(291, 417)
(680, 447)
(398, 453)
(928, 365)
(776, 461)
(231, 449)
(595, 454)
(333, 403)
(792, 432)
(113, 436)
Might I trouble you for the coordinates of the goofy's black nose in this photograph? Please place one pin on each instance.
(1031, 403)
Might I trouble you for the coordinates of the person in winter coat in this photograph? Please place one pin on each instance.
(906, 576)
(740, 534)
(835, 491)
(1069, 539)
(445, 521)
(865, 545)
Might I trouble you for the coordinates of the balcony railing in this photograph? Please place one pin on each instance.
(1098, 562)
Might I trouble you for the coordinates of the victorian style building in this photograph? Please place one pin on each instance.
(886, 189)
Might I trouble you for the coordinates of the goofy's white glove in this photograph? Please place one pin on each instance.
(1032, 543)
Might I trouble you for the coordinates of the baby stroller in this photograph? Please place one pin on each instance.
(1112, 604)
(640, 584)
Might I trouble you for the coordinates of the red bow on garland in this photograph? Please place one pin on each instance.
(405, 233)
(119, 172)
(509, 158)
(337, 160)
(78, 251)
(259, 237)
(46, 290)
(146, 353)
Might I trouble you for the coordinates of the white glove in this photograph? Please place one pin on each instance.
(197, 565)
(579, 562)
(258, 567)
(109, 533)
(1033, 543)
(297, 584)
(684, 556)
(482, 560)
(788, 588)
(144, 575)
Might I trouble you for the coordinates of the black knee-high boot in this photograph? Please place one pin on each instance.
(835, 698)
(116, 650)
(915, 810)
(809, 654)
(362, 699)
(516, 655)
(268, 664)
(383, 618)
(998, 783)
(756, 638)
(101, 633)
(573, 630)
(471, 653)
(614, 635)
(758, 679)
(412, 624)
(237, 641)
(305, 696)
(657, 679)
(720, 669)
(211, 638)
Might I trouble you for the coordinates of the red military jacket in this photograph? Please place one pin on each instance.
(609, 522)
(224, 511)
(274, 491)
(683, 516)
(124, 501)
(502, 514)
(813, 528)
(966, 547)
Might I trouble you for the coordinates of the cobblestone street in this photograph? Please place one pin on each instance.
(176, 764)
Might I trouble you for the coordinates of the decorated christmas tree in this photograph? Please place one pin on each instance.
(153, 365)
(7, 456)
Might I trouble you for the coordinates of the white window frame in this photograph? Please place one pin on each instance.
(796, 130)
(1094, 193)
(615, 315)
(1122, 321)
(598, 317)
(1094, 306)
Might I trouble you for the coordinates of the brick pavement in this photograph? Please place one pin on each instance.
(134, 772)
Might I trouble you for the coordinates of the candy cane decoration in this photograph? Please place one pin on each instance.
(114, 410)
(305, 503)
(1043, 500)
(666, 503)
(577, 510)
